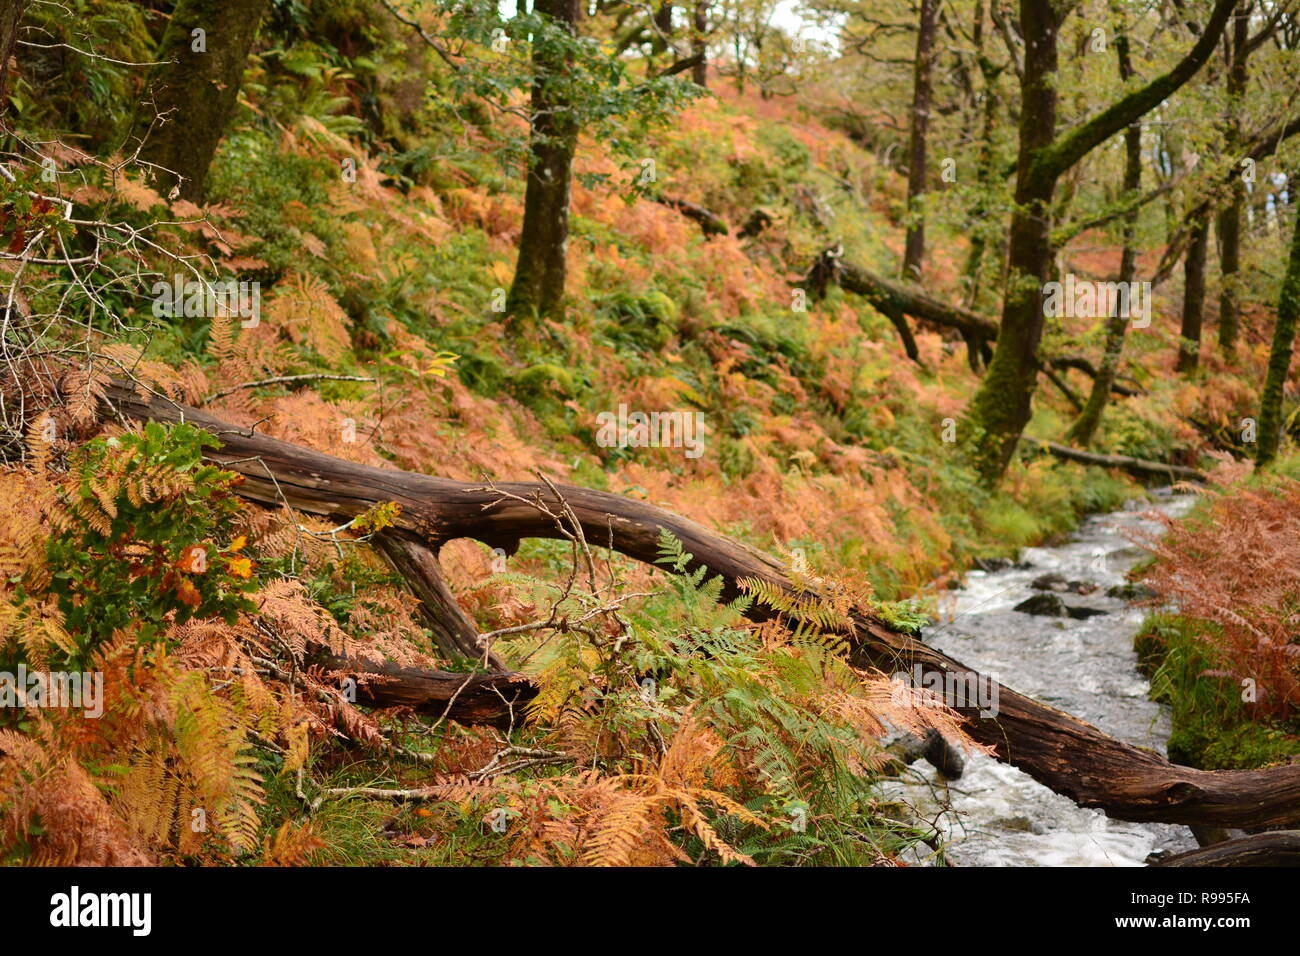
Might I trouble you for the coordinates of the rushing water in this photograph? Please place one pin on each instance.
(996, 815)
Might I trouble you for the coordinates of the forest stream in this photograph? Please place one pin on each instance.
(998, 815)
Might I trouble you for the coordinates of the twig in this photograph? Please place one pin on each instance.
(284, 379)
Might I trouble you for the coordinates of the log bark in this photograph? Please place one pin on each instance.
(1063, 753)
(494, 700)
(1090, 370)
(453, 632)
(1277, 848)
(541, 266)
(890, 296)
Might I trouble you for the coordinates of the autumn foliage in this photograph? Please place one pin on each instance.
(1235, 567)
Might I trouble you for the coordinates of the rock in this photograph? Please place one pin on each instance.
(1000, 564)
(943, 756)
(1049, 605)
(1057, 582)
(1128, 591)
(1049, 582)
(1020, 823)
(1083, 613)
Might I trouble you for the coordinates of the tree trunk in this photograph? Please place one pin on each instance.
(538, 288)
(1065, 754)
(1230, 267)
(914, 252)
(663, 25)
(998, 413)
(1230, 218)
(11, 15)
(1275, 848)
(1085, 426)
(1279, 359)
(1001, 408)
(979, 224)
(699, 44)
(190, 97)
(1189, 346)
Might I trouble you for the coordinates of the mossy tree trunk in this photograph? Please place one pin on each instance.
(1279, 358)
(1001, 408)
(1085, 426)
(190, 97)
(1189, 345)
(538, 287)
(914, 249)
(979, 234)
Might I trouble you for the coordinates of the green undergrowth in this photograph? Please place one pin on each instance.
(1213, 727)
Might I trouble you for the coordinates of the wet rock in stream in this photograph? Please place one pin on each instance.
(1051, 605)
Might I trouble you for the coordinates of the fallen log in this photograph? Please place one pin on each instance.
(1276, 848)
(890, 296)
(829, 268)
(1140, 467)
(709, 222)
(495, 700)
(1063, 753)
(1090, 370)
(896, 299)
(453, 632)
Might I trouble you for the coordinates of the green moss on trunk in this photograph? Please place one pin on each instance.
(190, 96)
(1279, 359)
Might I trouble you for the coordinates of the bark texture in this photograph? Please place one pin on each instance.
(190, 97)
(538, 287)
(1277, 848)
(11, 15)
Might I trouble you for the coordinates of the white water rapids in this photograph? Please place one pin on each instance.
(995, 814)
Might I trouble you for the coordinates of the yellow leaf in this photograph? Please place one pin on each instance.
(240, 567)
